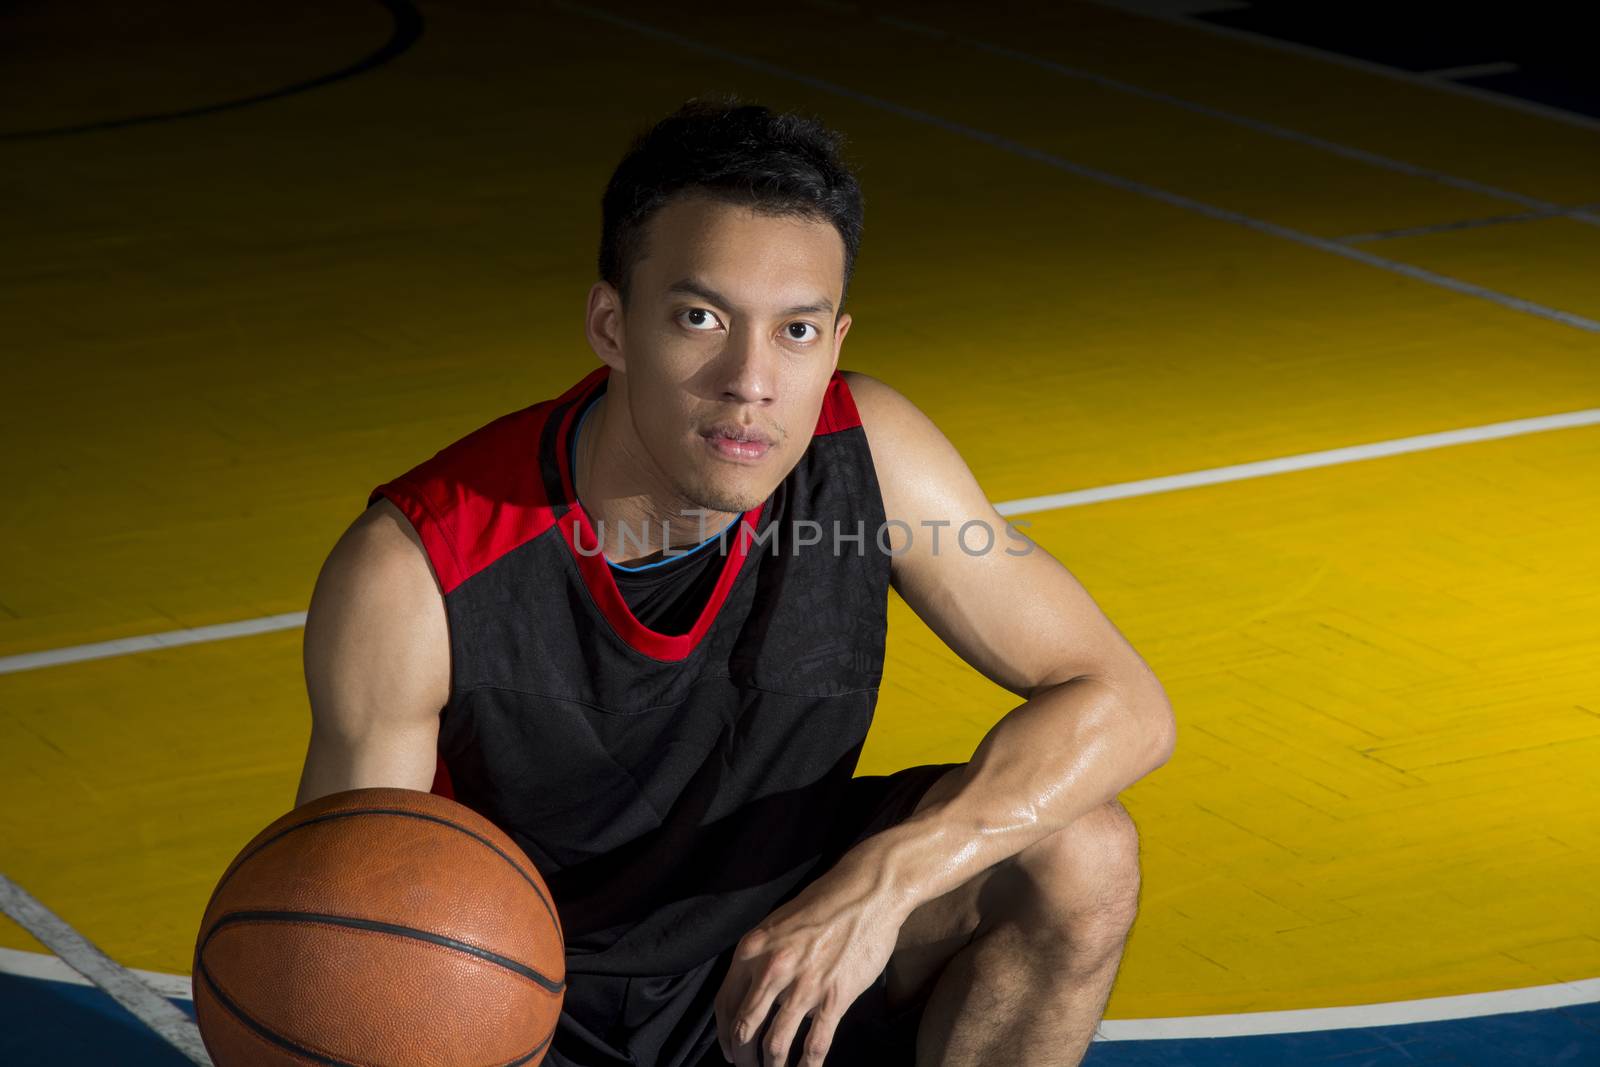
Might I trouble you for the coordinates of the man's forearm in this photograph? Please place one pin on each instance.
(1060, 754)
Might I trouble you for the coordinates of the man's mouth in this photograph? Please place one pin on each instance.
(737, 442)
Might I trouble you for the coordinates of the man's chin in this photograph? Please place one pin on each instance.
(729, 505)
(729, 499)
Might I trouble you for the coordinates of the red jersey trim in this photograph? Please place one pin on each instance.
(595, 572)
(442, 786)
(838, 407)
(602, 586)
(425, 520)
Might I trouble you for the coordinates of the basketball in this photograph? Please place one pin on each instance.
(380, 926)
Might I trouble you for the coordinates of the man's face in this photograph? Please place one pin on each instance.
(730, 332)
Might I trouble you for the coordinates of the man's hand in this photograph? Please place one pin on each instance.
(813, 956)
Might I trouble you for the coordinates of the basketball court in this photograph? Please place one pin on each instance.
(1290, 354)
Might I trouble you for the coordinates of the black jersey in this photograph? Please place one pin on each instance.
(673, 789)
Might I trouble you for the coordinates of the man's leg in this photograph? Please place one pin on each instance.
(1022, 957)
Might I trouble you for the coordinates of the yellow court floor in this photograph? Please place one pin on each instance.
(221, 330)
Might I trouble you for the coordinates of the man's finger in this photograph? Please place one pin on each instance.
(792, 1010)
(824, 1021)
(726, 1005)
(747, 1050)
(747, 1021)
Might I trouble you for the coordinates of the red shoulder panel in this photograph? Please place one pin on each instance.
(838, 407)
(481, 496)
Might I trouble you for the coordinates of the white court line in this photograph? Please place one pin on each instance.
(1304, 461)
(1443, 281)
(52, 657)
(1448, 227)
(1515, 103)
(1022, 506)
(50, 968)
(1471, 70)
(1545, 207)
(1245, 1024)
(1356, 1016)
(147, 1005)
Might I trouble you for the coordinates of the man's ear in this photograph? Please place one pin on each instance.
(839, 331)
(603, 325)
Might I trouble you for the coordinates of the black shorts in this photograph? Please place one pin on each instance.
(671, 1021)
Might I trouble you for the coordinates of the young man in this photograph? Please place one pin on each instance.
(641, 627)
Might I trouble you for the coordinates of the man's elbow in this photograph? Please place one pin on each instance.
(1166, 740)
(1160, 724)
(1164, 732)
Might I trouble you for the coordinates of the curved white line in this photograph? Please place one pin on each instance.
(1245, 1024)
(1356, 1016)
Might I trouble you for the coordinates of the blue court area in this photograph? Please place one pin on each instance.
(48, 1022)
(45, 1022)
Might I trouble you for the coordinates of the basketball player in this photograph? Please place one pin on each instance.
(640, 626)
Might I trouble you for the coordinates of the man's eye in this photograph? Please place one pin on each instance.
(803, 326)
(701, 312)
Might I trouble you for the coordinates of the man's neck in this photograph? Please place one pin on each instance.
(626, 507)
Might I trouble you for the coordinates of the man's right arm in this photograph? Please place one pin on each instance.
(377, 661)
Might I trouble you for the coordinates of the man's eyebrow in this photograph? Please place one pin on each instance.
(698, 288)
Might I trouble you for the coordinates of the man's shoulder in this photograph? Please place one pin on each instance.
(861, 385)
(920, 473)
(894, 425)
(876, 399)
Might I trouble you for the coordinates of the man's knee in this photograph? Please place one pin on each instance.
(1077, 888)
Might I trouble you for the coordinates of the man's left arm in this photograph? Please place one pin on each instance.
(1094, 718)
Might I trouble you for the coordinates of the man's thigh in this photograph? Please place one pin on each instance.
(942, 927)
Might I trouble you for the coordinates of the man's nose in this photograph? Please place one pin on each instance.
(750, 369)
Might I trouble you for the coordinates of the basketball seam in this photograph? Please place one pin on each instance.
(375, 926)
(254, 1028)
(554, 918)
(271, 1039)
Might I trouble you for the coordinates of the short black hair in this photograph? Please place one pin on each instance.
(775, 163)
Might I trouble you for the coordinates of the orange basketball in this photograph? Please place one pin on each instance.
(380, 926)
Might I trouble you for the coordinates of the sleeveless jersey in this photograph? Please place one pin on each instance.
(673, 789)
